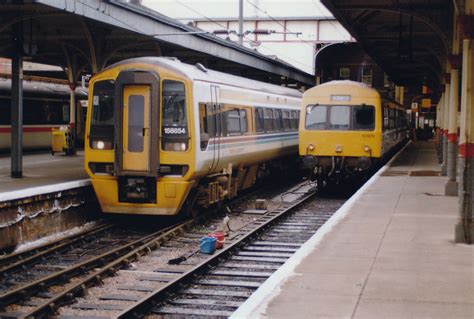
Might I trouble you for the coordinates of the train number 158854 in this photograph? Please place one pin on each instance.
(174, 130)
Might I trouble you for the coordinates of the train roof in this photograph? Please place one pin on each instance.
(41, 88)
(343, 87)
(200, 73)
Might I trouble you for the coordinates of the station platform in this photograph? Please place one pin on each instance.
(388, 252)
(41, 174)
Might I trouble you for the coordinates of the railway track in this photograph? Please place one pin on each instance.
(44, 278)
(203, 285)
(219, 285)
(30, 277)
(125, 281)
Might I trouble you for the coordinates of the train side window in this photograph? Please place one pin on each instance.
(243, 122)
(259, 122)
(205, 124)
(268, 120)
(5, 112)
(391, 119)
(385, 117)
(286, 120)
(295, 120)
(363, 117)
(277, 125)
(233, 122)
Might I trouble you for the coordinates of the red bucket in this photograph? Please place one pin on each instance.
(220, 238)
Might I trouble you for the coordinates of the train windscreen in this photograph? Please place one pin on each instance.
(174, 117)
(102, 119)
(340, 117)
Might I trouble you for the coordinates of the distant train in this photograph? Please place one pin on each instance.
(45, 106)
(346, 128)
(164, 136)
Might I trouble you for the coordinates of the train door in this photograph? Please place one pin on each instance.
(136, 128)
(217, 112)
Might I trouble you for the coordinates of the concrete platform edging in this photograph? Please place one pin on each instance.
(40, 190)
(256, 305)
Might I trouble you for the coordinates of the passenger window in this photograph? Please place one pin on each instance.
(5, 113)
(286, 120)
(391, 119)
(233, 122)
(277, 126)
(385, 117)
(268, 120)
(259, 121)
(243, 121)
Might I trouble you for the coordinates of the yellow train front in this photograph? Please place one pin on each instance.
(346, 128)
(164, 136)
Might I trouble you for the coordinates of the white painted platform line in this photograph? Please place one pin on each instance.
(40, 190)
(256, 305)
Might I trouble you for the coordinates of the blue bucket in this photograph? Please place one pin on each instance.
(207, 245)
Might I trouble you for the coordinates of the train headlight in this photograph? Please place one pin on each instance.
(338, 148)
(311, 147)
(175, 146)
(367, 149)
(101, 145)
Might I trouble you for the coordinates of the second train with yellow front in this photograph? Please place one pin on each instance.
(346, 128)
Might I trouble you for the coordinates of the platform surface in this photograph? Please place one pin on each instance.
(390, 254)
(41, 170)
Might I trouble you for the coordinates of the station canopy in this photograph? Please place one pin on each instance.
(409, 39)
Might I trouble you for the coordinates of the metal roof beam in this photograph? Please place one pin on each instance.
(138, 19)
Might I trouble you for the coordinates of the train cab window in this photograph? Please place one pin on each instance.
(363, 117)
(259, 122)
(286, 120)
(316, 117)
(174, 118)
(102, 119)
(268, 120)
(339, 118)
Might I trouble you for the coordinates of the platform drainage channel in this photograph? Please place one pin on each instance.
(394, 173)
(425, 173)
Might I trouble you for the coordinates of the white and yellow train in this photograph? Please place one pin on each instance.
(164, 136)
(346, 128)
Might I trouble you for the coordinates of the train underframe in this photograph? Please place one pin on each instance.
(217, 188)
(334, 170)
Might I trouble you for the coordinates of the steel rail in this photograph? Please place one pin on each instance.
(48, 307)
(145, 304)
(41, 284)
(21, 259)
